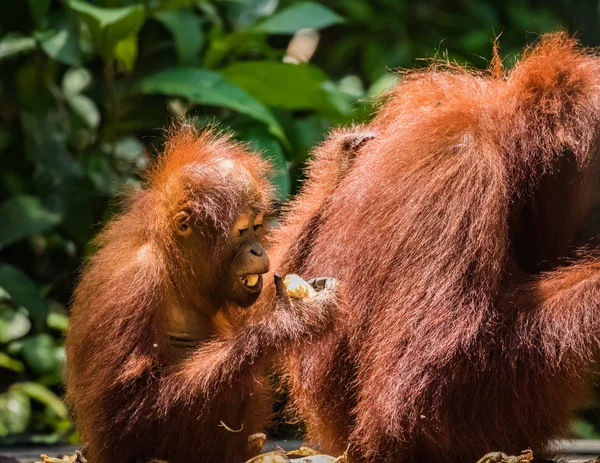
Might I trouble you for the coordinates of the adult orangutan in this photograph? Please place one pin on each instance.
(463, 329)
(162, 362)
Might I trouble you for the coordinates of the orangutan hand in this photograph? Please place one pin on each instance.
(316, 299)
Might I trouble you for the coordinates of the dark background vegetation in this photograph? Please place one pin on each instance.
(85, 86)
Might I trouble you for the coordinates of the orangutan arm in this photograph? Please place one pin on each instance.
(563, 308)
(232, 359)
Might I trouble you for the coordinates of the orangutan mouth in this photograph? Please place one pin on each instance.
(251, 281)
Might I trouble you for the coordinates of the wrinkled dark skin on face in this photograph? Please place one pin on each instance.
(244, 255)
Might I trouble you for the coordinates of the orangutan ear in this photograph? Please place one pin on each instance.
(181, 222)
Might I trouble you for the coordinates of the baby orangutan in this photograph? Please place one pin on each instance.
(162, 360)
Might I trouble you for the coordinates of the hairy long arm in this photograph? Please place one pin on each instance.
(559, 313)
(234, 358)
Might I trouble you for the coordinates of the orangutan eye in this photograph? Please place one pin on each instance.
(242, 231)
(258, 221)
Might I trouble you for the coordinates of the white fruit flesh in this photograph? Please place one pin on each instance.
(297, 287)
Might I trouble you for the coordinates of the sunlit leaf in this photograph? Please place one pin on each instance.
(352, 85)
(13, 44)
(58, 322)
(108, 26)
(61, 42)
(24, 293)
(280, 85)
(126, 52)
(128, 149)
(85, 108)
(186, 27)
(385, 82)
(24, 215)
(243, 14)
(210, 88)
(300, 16)
(14, 324)
(76, 81)
(9, 363)
(43, 395)
(15, 412)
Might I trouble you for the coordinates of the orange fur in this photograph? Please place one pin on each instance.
(461, 332)
(130, 401)
(136, 395)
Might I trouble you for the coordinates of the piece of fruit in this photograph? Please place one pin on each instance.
(297, 287)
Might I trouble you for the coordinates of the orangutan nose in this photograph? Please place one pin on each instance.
(256, 250)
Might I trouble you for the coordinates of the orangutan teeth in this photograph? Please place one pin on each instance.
(250, 280)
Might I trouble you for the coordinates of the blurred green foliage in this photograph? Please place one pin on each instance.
(84, 85)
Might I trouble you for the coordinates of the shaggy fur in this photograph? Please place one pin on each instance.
(131, 400)
(462, 332)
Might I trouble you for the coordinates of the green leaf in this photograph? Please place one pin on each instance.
(299, 16)
(24, 293)
(39, 9)
(24, 215)
(76, 81)
(62, 43)
(102, 174)
(286, 86)
(39, 352)
(14, 324)
(208, 88)
(381, 85)
(85, 108)
(338, 99)
(126, 52)
(186, 27)
(582, 429)
(244, 13)
(15, 412)
(305, 133)
(58, 177)
(270, 148)
(166, 5)
(108, 26)
(14, 44)
(10, 363)
(61, 47)
(43, 395)
(128, 149)
(222, 47)
(352, 85)
(58, 322)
